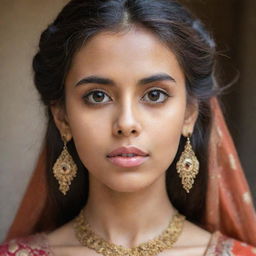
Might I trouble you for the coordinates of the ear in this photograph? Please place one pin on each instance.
(61, 121)
(191, 115)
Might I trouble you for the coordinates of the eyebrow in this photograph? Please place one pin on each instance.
(105, 81)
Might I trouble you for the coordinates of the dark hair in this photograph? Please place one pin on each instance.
(178, 29)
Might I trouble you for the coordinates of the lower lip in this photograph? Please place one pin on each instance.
(128, 161)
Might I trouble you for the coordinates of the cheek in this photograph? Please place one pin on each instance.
(165, 131)
(90, 130)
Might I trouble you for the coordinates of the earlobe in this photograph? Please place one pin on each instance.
(190, 118)
(60, 120)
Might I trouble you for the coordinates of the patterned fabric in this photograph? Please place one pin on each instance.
(35, 245)
(229, 203)
(219, 245)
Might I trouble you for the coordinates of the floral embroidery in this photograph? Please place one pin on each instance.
(37, 245)
(13, 247)
(220, 245)
(30, 246)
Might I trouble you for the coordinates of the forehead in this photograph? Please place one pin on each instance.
(135, 52)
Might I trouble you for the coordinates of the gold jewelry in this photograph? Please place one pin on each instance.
(187, 166)
(64, 169)
(88, 238)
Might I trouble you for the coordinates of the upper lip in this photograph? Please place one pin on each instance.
(127, 150)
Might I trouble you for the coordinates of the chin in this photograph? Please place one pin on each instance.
(130, 183)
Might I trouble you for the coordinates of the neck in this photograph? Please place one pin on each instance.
(128, 219)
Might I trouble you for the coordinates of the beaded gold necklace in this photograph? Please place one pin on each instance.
(88, 238)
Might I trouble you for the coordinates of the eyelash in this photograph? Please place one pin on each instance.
(86, 96)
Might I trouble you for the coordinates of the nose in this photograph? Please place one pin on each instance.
(126, 123)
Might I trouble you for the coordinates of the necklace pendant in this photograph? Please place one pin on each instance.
(164, 241)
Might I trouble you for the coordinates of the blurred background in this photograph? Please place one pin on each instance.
(232, 23)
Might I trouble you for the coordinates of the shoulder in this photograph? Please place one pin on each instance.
(221, 245)
(31, 245)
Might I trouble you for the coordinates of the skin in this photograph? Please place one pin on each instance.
(122, 201)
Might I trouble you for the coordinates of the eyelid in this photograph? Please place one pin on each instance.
(97, 89)
(157, 89)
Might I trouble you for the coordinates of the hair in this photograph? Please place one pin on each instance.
(194, 49)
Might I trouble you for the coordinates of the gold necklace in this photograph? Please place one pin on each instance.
(88, 238)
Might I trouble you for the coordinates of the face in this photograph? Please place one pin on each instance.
(125, 89)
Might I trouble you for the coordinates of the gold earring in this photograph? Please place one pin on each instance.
(187, 166)
(64, 169)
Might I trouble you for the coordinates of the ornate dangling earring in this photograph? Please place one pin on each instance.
(187, 166)
(64, 169)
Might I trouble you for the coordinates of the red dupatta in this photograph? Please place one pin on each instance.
(229, 202)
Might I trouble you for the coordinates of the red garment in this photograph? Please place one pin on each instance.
(229, 202)
(219, 245)
(31, 246)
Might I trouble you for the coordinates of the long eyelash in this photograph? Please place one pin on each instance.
(97, 89)
(162, 92)
(157, 89)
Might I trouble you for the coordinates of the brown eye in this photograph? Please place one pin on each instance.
(98, 96)
(95, 97)
(157, 96)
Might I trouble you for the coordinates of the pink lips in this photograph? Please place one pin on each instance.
(126, 161)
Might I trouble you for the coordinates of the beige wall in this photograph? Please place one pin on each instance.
(21, 116)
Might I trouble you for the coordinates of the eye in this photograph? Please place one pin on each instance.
(95, 97)
(98, 96)
(157, 96)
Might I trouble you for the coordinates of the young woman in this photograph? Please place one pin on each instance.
(127, 85)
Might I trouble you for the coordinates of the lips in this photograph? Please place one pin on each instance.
(128, 161)
(127, 157)
(127, 150)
